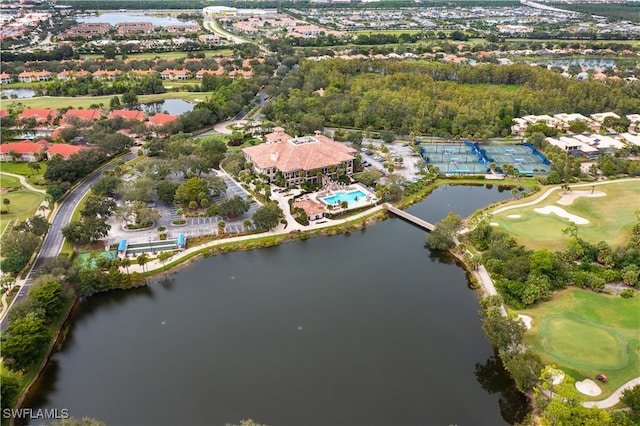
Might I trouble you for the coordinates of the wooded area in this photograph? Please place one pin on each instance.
(436, 99)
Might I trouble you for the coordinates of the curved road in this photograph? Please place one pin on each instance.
(53, 240)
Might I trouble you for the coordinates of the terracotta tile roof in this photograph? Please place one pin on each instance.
(85, 114)
(161, 118)
(4, 113)
(24, 147)
(41, 115)
(310, 207)
(65, 149)
(314, 152)
(128, 115)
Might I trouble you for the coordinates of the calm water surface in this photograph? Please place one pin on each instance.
(169, 106)
(367, 329)
(114, 18)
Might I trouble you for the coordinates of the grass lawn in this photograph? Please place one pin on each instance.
(9, 181)
(586, 333)
(610, 217)
(86, 101)
(24, 204)
(22, 168)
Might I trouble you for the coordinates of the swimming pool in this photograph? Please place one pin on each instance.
(350, 197)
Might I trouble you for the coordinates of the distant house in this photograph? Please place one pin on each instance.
(160, 119)
(201, 73)
(64, 149)
(5, 78)
(129, 115)
(300, 159)
(31, 77)
(40, 115)
(126, 28)
(168, 74)
(25, 150)
(106, 75)
(313, 209)
(84, 114)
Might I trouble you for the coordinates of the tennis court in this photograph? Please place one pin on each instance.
(473, 158)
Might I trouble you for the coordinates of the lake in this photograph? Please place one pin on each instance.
(18, 93)
(369, 328)
(170, 106)
(114, 18)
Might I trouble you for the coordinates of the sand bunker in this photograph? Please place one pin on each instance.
(571, 196)
(588, 387)
(514, 216)
(562, 213)
(494, 224)
(526, 319)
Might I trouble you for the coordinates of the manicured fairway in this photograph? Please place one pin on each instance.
(586, 333)
(610, 217)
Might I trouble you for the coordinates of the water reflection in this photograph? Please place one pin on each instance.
(114, 18)
(168, 106)
(17, 93)
(493, 378)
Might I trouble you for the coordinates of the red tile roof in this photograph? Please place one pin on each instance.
(128, 115)
(315, 152)
(24, 147)
(85, 114)
(65, 149)
(3, 112)
(41, 115)
(161, 118)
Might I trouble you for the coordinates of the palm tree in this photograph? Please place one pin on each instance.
(126, 262)
(6, 202)
(143, 259)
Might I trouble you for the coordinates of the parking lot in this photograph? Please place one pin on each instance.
(376, 159)
(194, 226)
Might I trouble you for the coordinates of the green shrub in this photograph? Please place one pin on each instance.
(627, 293)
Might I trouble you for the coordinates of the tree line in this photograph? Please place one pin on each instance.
(432, 98)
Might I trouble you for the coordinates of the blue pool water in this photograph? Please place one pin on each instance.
(349, 197)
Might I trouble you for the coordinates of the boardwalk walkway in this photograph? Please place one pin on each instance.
(411, 218)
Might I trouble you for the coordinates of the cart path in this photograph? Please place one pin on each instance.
(24, 182)
(615, 396)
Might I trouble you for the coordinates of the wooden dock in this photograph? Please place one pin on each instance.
(410, 218)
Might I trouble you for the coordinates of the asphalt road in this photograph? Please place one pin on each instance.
(54, 240)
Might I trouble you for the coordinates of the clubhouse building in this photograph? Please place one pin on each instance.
(300, 159)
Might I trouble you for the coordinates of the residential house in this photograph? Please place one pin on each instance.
(300, 159)
(129, 114)
(200, 74)
(168, 74)
(106, 75)
(160, 119)
(126, 28)
(66, 75)
(31, 77)
(25, 151)
(313, 209)
(5, 78)
(40, 115)
(64, 149)
(82, 114)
